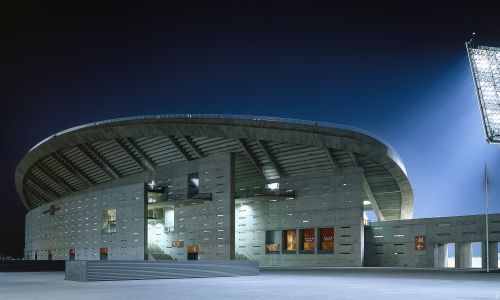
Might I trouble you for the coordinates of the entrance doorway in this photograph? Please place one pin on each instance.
(103, 253)
(192, 253)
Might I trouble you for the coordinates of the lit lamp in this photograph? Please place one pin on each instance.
(485, 66)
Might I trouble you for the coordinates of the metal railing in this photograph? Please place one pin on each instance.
(265, 193)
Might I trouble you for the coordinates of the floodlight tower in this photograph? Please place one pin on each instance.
(485, 66)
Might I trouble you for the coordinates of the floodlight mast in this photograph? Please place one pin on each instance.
(485, 67)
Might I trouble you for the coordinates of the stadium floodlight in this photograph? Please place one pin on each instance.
(485, 65)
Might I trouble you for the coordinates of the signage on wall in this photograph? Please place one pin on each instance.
(52, 210)
(420, 243)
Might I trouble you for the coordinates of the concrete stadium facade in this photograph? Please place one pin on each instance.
(216, 187)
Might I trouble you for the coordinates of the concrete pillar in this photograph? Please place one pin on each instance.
(440, 255)
(463, 255)
(493, 253)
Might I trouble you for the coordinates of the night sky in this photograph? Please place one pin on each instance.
(396, 69)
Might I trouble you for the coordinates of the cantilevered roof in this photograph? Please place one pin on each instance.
(266, 148)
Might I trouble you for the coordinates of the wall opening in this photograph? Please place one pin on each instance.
(477, 258)
(450, 255)
(108, 220)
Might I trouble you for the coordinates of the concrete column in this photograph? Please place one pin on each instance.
(232, 208)
(493, 253)
(463, 255)
(440, 255)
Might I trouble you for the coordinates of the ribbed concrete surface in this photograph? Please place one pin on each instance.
(133, 270)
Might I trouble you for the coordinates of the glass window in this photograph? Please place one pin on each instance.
(307, 240)
(273, 241)
(325, 242)
(108, 219)
(290, 240)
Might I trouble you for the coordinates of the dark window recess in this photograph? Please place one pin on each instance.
(345, 227)
(345, 235)
(468, 223)
(398, 244)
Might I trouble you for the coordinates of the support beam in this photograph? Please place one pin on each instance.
(251, 156)
(269, 156)
(177, 145)
(373, 201)
(138, 160)
(353, 159)
(146, 161)
(97, 159)
(57, 179)
(43, 186)
(193, 146)
(329, 153)
(73, 169)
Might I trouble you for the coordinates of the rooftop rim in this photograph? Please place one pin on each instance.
(395, 155)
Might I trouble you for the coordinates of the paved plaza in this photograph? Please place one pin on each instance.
(327, 283)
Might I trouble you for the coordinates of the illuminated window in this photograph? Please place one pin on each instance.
(290, 241)
(273, 186)
(326, 241)
(108, 220)
(307, 241)
(273, 241)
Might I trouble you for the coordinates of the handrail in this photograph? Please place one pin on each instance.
(265, 192)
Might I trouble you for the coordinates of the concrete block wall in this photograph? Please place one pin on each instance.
(209, 226)
(325, 200)
(392, 243)
(76, 224)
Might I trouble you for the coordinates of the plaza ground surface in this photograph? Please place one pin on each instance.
(323, 283)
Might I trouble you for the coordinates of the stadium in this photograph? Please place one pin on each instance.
(221, 187)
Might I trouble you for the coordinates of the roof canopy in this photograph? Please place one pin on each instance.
(267, 148)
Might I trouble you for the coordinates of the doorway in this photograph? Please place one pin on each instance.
(192, 253)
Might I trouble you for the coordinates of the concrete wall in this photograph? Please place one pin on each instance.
(209, 226)
(325, 200)
(392, 243)
(77, 225)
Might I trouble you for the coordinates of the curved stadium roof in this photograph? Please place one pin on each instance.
(266, 148)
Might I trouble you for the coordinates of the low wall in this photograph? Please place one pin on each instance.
(88, 270)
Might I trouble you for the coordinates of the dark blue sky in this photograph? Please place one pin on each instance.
(397, 70)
